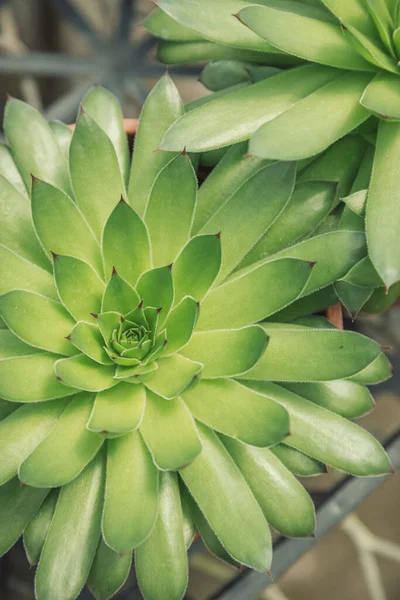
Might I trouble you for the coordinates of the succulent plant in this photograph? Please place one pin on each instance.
(158, 372)
(355, 48)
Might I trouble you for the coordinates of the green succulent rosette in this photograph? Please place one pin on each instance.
(158, 372)
(350, 52)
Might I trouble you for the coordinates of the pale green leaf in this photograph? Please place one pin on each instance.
(118, 410)
(109, 572)
(83, 373)
(88, 339)
(37, 529)
(17, 272)
(298, 462)
(119, 295)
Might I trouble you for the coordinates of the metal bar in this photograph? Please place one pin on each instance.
(65, 108)
(46, 63)
(78, 21)
(125, 20)
(341, 502)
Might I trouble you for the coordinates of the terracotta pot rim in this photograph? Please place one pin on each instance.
(130, 126)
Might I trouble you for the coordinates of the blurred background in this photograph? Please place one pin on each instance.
(51, 52)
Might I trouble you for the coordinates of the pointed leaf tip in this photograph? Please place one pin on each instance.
(68, 337)
(114, 271)
(122, 319)
(58, 378)
(95, 315)
(54, 255)
(122, 200)
(157, 149)
(170, 266)
(184, 151)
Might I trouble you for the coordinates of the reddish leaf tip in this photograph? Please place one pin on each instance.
(385, 348)
(105, 431)
(95, 315)
(68, 337)
(157, 149)
(122, 200)
(159, 309)
(58, 378)
(114, 271)
(343, 27)
(312, 264)
(237, 16)
(122, 319)
(81, 110)
(184, 151)
(170, 266)
(218, 235)
(165, 342)
(54, 255)
(140, 305)
(269, 573)
(22, 484)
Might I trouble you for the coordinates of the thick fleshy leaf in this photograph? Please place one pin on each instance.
(326, 436)
(156, 288)
(34, 145)
(17, 272)
(161, 561)
(174, 374)
(131, 499)
(248, 214)
(37, 529)
(377, 371)
(257, 294)
(11, 345)
(197, 267)
(305, 31)
(31, 379)
(283, 500)
(228, 352)
(9, 170)
(23, 430)
(88, 339)
(47, 465)
(118, 410)
(95, 172)
(83, 373)
(109, 572)
(216, 124)
(315, 122)
(63, 136)
(162, 107)
(382, 96)
(79, 287)
(125, 243)
(60, 225)
(6, 408)
(161, 25)
(105, 109)
(180, 324)
(37, 320)
(351, 400)
(221, 74)
(306, 354)
(170, 209)
(369, 49)
(17, 232)
(18, 504)
(383, 216)
(226, 406)
(355, 13)
(227, 503)
(353, 297)
(298, 462)
(119, 295)
(170, 433)
(189, 528)
(73, 536)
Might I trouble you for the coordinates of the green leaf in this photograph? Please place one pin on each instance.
(298, 462)
(169, 432)
(125, 243)
(161, 561)
(63, 136)
(369, 49)
(17, 272)
(189, 528)
(17, 232)
(283, 500)
(306, 354)
(170, 209)
(31, 379)
(79, 287)
(60, 225)
(255, 295)
(118, 410)
(34, 145)
(119, 295)
(109, 572)
(381, 300)
(23, 430)
(227, 353)
(355, 13)
(248, 214)
(315, 122)
(95, 173)
(382, 96)
(104, 108)
(159, 24)
(9, 170)
(216, 124)
(227, 503)
(7, 408)
(326, 436)
(221, 74)
(88, 339)
(383, 216)
(73, 536)
(353, 297)
(377, 371)
(180, 324)
(36, 531)
(11, 345)
(197, 267)
(305, 31)
(83, 373)
(18, 504)
(226, 406)
(162, 107)
(46, 466)
(343, 397)
(131, 499)
(156, 288)
(37, 320)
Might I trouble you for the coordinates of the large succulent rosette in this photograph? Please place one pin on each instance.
(152, 384)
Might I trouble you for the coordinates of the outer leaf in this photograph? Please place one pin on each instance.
(118, 410)
(83, 373)
(109, 572)
(88, 339)
(37, 320)
(9, 170)
(73, 537)
(180, 324)
(95, 172)
(161, 561)
(227, 353)
(355, 13)
(230, 508)
(382, 96)
(383, 216)
(6, 408)
(131, 500)
(63, 136)
(371, 50)
(318, 120)
(11, 345)
(298, 462)
(216, 124)
(377, 371)
(221, 74)
(119, 295)
(226, 406)
(283, 500)
(174, 374)
(156, 288)
(170, 209)
(37, 529)
(162, 107)
(169, 432)
(46, 466)
(159, 24)
(328, 437)
(17, 272)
